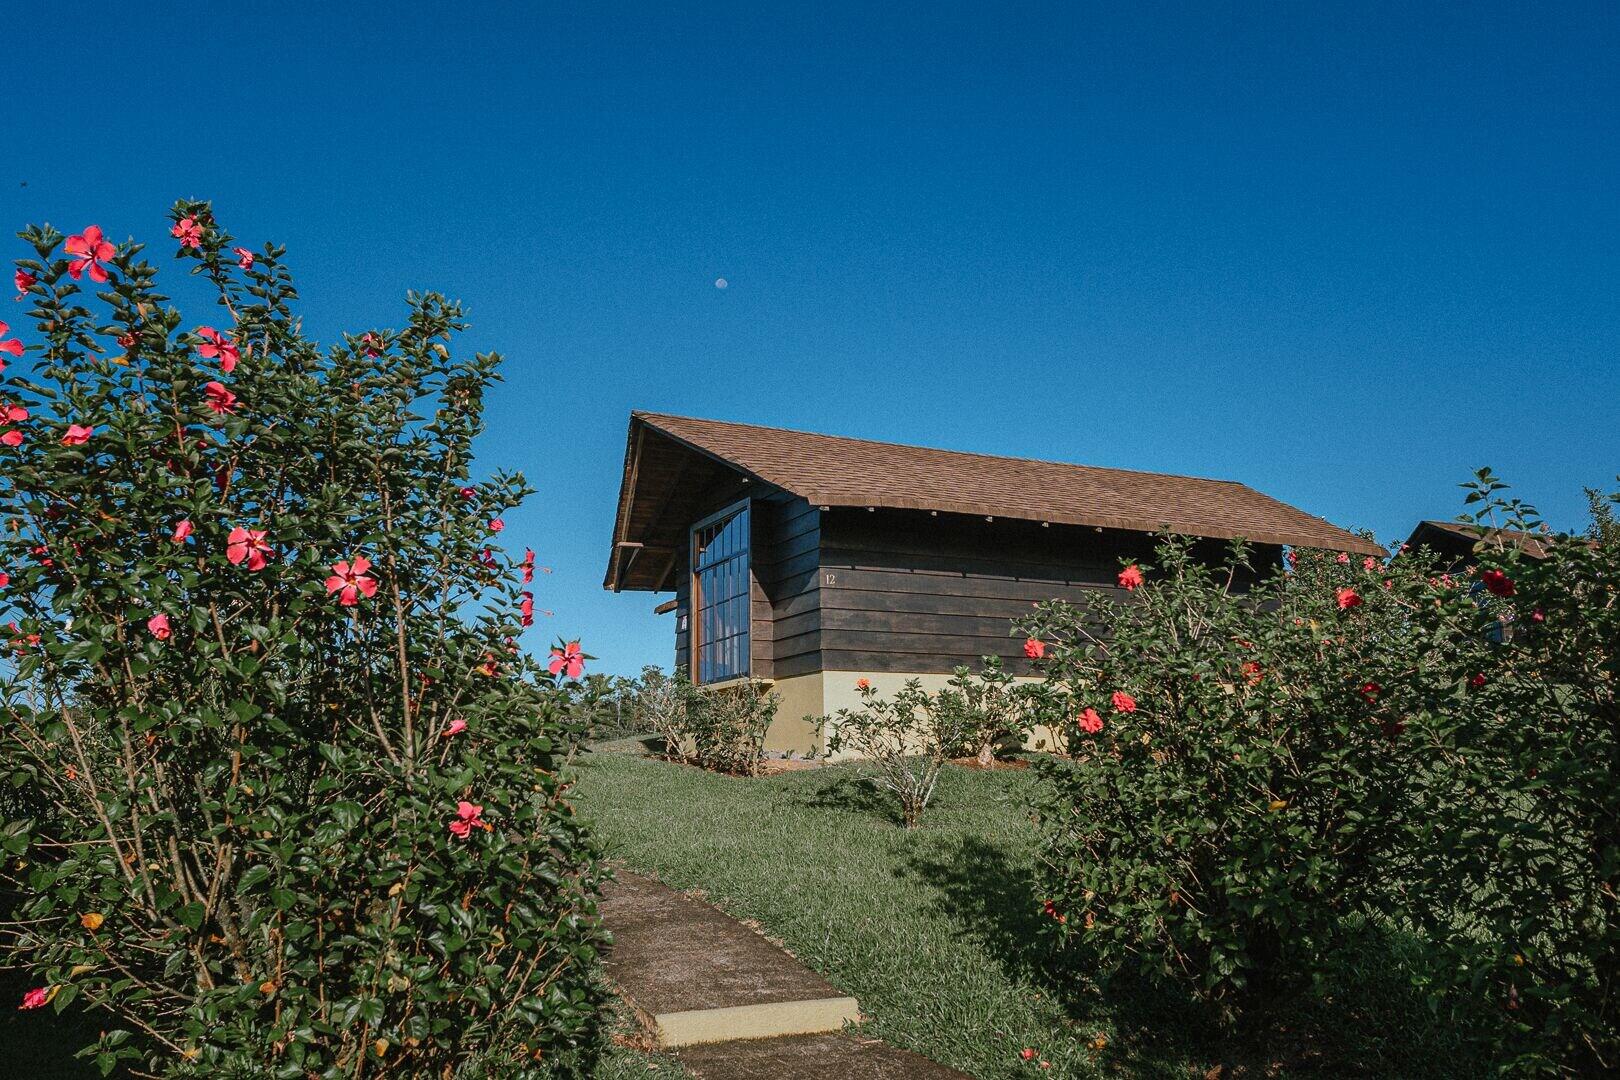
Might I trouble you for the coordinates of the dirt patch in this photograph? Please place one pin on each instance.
(778, 766)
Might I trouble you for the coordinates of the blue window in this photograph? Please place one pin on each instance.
(720, 598)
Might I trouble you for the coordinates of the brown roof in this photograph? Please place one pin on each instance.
(1532, 544)
(828, 470)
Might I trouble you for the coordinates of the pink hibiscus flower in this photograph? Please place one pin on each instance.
(36, 997)
(244, 257)
(13, 437)
(5, 579)
(567, 660)
(1130, 577)
(77, 435)
(216, 344)
(220, 400)
(1348, 598)
(1091, 721)
(188, 232)
(455, 727)
(91, 250)
(350, 582)
(181, 531)
(1123, 702)
(247, 545)
(526, 609)
(158, 625)
(14, 347)
(1369, 563)
(468, 817)
(528, 565)
(1035, 648)
(24, 281)
(496, 525)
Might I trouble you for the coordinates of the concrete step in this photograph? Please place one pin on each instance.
(695, 975)
(811, 1057)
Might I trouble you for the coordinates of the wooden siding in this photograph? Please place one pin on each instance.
(911, 592)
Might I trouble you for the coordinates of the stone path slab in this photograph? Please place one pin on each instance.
(696, 975)
(810, 1057)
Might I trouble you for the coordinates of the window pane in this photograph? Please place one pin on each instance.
(721, 590)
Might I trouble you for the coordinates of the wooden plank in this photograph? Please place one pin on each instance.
(917, 622)
(794, 645)
(928, 603)
(961, 585)
(924, 663)
(959, 645)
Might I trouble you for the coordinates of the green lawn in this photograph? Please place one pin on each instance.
(935, 931)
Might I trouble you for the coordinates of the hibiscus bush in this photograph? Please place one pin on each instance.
(288, 798)
(715, 727)
(1352, 745)
(904, 740)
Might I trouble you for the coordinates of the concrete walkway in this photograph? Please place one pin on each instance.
(738, 1007)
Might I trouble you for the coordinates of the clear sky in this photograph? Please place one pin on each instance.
(1345, 254)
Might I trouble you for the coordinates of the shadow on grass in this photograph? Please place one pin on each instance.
(855, 794)
(1364, 1020)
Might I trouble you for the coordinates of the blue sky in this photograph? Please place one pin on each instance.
(1345, 254)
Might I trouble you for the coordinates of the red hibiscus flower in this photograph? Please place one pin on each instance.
(526, 609)
(1348, 598)
(567, 660)
(220, 400)
(188, 232)
(528, 565)
(863, 684)
(158, 625)
(24, 281)
(14, 347)
(1251, 671)
(496, 525)
(91, 249)
(468, 492)
(1091, 721)
(181, 531)
(215, 344)
(36, 997)
(77, 435)
(1477, 681)
(247, 545)
(1371, 690)
(1035, 649)
(468, 817)
(1026, 1053)
(1130, 577)
(1123, 702)
(5, 579)
(1496, 582)
(244, 257)
(350, 582)
(13, 437)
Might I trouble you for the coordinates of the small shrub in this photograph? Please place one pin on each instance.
(727, 726)
(721, 728)
(905, 739)
(993, 711)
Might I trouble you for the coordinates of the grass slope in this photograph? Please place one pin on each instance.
(936, 931)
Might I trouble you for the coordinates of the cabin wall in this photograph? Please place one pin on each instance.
(910, 592)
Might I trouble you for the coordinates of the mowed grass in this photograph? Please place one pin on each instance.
(937, 930)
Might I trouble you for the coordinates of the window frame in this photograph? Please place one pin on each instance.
(695, 605)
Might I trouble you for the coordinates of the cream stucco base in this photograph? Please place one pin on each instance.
(804, 699)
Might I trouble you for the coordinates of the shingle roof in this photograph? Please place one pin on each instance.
(829, 470)
(1532, 544)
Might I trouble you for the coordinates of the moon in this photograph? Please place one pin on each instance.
(721, 283)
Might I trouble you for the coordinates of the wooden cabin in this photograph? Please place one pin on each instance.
(1452, 545)
(812, 561)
